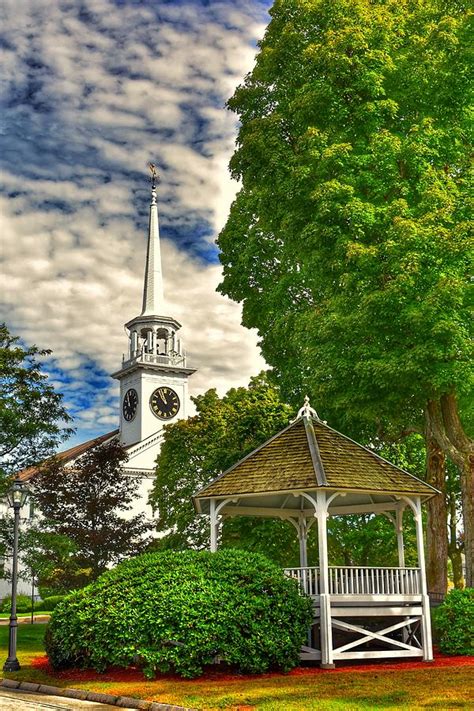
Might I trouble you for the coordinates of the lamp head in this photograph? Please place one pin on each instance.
(17, 494)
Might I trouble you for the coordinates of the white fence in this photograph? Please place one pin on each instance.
(355, 580)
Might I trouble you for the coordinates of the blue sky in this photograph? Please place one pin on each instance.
(91, 92)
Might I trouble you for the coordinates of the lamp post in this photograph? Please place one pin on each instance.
(16, 498)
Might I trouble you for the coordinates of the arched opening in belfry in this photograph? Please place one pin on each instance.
(162, 339)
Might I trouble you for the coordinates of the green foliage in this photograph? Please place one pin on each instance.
(181, 611)
(348, 242)
(49, 603)
(32, 416)
(85, 527)
(53, 559)
(23, 603)
(197, 450)
(454, 622)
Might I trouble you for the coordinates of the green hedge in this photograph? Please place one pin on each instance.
(181, 611)
(454, 622)
(49, 603)
(23, 603)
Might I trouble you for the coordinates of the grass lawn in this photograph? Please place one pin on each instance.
(422, 687)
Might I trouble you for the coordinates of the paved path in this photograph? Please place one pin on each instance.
(38, 619)
(11, 700)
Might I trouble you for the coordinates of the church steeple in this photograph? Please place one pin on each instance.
(153, 300)
(154, 373)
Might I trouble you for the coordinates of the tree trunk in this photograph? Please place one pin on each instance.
(437, 521)
(445, 424)
(467, 489)
(454, 546)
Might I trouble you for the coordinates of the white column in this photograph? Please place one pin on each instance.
(149, 341)
(401, 552)
(133, 344)
(327, 661)
(399, 530)
(214, 526)
(303, 541)
(425, 601)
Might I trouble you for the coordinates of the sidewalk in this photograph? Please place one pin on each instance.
(11, 700)
(23, 620)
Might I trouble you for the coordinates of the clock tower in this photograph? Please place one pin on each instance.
(154, 374)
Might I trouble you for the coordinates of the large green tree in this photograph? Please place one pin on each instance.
(348, 241)
(33, 420)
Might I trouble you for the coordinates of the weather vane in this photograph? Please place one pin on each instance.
(154, 174)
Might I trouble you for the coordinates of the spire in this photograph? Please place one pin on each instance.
(153, 287)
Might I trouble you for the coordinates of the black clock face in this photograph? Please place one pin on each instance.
(164, 403)
(130, 404)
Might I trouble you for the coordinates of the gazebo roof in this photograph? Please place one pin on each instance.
(308, 455)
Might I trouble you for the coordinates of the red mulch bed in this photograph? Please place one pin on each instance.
(132, 674)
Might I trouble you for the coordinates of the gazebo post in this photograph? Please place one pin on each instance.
(425, 601)
(399, 530)
(303, 541)
(325, 626)
(214, 525)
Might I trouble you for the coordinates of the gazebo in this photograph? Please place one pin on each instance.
(304, 474)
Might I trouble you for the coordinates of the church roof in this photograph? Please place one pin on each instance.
(70, 454)
(308, 455)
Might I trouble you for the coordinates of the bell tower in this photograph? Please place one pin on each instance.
(154, 374)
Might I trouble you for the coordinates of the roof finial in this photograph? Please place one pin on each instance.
(307, 410)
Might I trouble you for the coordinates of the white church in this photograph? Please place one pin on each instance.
(153, 376)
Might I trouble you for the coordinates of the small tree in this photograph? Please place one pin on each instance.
(33, 420)
(86, 503)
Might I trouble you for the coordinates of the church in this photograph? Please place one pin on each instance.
(153, 376)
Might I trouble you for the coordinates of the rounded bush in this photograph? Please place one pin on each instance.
(181, 611)
(454, 622)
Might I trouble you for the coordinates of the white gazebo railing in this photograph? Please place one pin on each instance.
(357, 580)
(308, 578)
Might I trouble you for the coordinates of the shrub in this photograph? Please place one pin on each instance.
(181, 611)
(454, 622)
(23, 603)
(49, 603)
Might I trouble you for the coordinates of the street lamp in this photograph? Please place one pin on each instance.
(16, 497)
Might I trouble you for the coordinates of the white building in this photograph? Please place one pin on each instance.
(154, 377)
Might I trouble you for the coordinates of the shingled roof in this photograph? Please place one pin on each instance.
(308, 455)
(70, 454)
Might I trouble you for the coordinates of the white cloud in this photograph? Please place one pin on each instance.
(91, 100)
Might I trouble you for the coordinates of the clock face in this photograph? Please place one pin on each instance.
(130, 404)
(164, 403)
